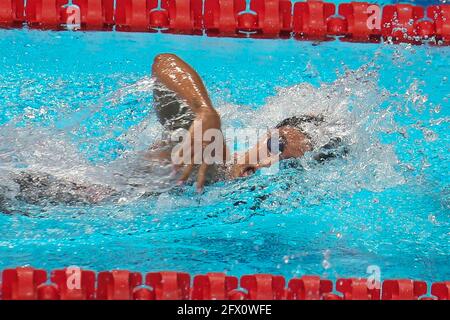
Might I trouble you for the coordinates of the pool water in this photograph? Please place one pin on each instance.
(79, 104)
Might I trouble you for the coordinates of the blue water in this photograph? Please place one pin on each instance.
(387, 205)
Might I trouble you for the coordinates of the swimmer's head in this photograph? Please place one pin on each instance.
(289, 140)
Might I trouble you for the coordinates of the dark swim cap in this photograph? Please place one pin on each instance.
(334, 148)
(297, 122)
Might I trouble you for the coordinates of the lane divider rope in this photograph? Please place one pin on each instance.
(310, 20)
(27, 283)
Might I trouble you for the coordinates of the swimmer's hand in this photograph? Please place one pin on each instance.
(179, 77)
(203, 145)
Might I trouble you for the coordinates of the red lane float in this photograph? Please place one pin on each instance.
(183, 16)
(11, 12)
(117, 285)
(441, 290)
(441, 17)
(266, 18)
(27, 283)
(45, 14)
(22, 283)
(159, 17)
(221, 17)
(399, 21)
(175, 16)
(362, 21)
(309, 288)
(96, 14)
(169, 285)
(273, 17)
(357, 289)
(403, 289)
(48, 292)
(310, 19)
(424, 29)
(336, 26)
(213, 286)
(133, 15)
(74, 284)
(264, 287)
(313, 19)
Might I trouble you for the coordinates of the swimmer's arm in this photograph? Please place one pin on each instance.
(177, 76)
(180, 78)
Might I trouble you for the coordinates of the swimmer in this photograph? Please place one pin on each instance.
(181, 101)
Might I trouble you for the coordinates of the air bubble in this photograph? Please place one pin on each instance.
(326, 264)
(432, 218)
